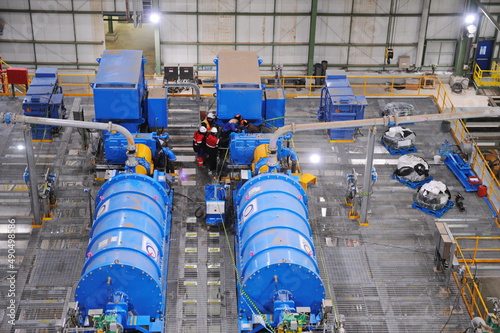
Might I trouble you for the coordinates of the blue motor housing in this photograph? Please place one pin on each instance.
(115, 145)
(275, 250)
(242, 146)
(128, 248)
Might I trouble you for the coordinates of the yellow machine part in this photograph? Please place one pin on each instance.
(259, 153)
(144, 152)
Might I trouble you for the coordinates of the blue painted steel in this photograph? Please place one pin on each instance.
(462, 171)
(275, 250)
(44, 98)
(242, 146)
(127, 255)
(275, 107)
(120, 88)
(338, 103)
(413, 185)
(115, 145)
(157, 112)
(436, 213)
(215, 199)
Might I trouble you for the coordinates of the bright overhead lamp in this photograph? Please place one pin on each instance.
(470, 18)
(154, 18)
(314, 158)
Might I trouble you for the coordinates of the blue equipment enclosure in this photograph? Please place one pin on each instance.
(338, 103)
(115, 145)
(238, 86)
(157, 107)
(44, 98)
(462, 171)
(275, 107)
(125, 272)
(215, 200)
(275, 251)
(120, 88)
(242, 146)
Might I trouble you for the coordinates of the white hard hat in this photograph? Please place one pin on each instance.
(211, 115)
(203, 129)
(214, 130)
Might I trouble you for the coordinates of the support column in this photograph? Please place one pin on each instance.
(33, 183)
(367, 177)
(312, 37)
(156, 9)
(422, 33)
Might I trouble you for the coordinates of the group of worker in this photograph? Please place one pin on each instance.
(207, 141)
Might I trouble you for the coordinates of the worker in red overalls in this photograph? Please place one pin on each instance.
(199, 138)
(212, 144)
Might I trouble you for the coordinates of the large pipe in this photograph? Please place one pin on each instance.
(390, 120)
(191, 85)
(7, 117)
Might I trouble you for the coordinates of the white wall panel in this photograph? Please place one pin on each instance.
(209, 52)
(17, 26)
(254, 29)
(337, 6)
(369, 30)
(292, 29)
(291, 54)
(410, 7)
(487, 29)
(50, 5)
(178, 54)
(53, 27)
(406, 29)
(14, 4)
(404, 51)
(218, 28)
(178, 28)
(366, 55)
(178, 6)
(447, 6)
(218, 6)
(332, 29)
(109, 5)
(89, 53)
(332, 54)
(293, 6)
(443, 27)
(263, 52)
(439, 53)
(17, 52)
(90, 27)
(255, 6)
(372, 6)
(55, 53)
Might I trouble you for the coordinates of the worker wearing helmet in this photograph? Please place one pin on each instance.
(209, 121)
(212, 144)
(249, 127)
(199, 138)
(232, 126)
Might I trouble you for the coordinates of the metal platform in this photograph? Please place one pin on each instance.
(381, 276)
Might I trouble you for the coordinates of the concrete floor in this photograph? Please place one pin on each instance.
(381, 276)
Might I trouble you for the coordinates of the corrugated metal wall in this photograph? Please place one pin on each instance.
(353, 33)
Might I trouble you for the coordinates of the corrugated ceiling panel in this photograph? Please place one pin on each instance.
(17, 26)
(255, 6)
(369, 30)
(338, 6)
(55, 53)
(372, 6)
(332, 29)
(255, 29)
(366, 55)
(293, 6)
(406, 29)
(216, 28)
(218, 6)
(447, 6)
(178, 54)
(49, 26)
(443, 27)
(178, 28)
(291, 54)
(292, 29)
(178, 6)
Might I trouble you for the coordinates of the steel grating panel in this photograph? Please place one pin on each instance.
(56, 268)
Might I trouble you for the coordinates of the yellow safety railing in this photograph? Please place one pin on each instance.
(466, 279)
(489, 77)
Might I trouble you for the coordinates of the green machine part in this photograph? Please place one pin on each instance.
(105, 323)
(288, 318)
(493, 322)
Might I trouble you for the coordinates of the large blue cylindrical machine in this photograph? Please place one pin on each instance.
(276, 261)
(125, 271)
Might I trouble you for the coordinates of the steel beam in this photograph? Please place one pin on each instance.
(32, 175)
(312, 36)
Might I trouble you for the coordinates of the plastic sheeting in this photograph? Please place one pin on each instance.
(434, 195)
(398, 137)
(412, 168)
